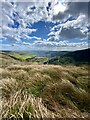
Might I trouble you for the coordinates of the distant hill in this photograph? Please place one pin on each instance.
(76, 57)
(51, 57)
(80, 56)
(56, 53)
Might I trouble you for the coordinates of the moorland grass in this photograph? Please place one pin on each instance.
(45, 90)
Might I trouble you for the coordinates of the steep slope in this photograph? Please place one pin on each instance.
(6, 60)
(76, 57)
(80, 56)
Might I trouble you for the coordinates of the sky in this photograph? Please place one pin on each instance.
(51, 25)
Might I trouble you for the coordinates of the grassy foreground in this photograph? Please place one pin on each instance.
(44, 91)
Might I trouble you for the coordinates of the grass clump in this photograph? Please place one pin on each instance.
(19, 103)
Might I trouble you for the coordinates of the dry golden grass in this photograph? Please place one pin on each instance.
(23, 105)
(44, 91)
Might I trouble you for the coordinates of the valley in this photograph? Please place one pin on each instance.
(37, 86)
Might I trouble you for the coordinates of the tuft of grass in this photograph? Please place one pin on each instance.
(22, 105)
(17, 103)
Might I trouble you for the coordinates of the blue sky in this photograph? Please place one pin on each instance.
(44, 25)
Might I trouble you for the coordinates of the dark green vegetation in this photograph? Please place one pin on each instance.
(31, 89)
(76, 57)
(37, 59)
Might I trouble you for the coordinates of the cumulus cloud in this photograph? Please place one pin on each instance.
(77, 28)
(71, 33)
(80, 22)
(74, 8)
(26, 43)
(61, 45)
(19, 16)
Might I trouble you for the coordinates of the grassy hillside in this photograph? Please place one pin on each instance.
(19, 55)
(22, 56)
(81, 56)
(52, 57)
(32, 90)
(76, 57)
(43, 91)
(6, 60)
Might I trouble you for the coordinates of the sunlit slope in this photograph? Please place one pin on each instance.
(8, 57)
(45, 91)
(6, 60)
(18, 55)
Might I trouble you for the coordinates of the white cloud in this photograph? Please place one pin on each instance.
(77, 9)
(80, 22)
(59, 46)
(47, 10)
(59, 8)
(43, 45)
(71, 33)
(71, 29)
(74, 8)
(22, 13)
(26, 43)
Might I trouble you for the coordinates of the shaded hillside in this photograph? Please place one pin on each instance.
(80, 56)
(48, 53)
(55, 53)
(76, 57)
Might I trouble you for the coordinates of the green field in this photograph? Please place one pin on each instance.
(21, 56)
